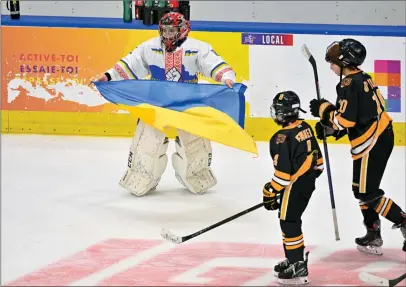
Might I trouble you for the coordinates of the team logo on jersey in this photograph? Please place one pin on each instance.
(280, 138)
(173, 75)
(346, 82)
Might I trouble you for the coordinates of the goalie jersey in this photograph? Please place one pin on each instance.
(182, 65)
(295, 151)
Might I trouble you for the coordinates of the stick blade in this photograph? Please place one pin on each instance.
(168, 235)
(373, 280)
(306, 52)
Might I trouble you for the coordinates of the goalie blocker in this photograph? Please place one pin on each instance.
(147, 161)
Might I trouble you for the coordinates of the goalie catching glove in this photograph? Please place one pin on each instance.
(270, 197)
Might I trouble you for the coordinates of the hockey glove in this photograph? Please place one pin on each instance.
(320, 128)
(270, 198)
(329, 131)
(321, 108)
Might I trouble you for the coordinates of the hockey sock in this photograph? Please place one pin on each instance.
(294, 248)
(390, 210)
(293, 240)
(369, 214)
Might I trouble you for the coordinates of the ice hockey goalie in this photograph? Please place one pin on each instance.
(173, 56)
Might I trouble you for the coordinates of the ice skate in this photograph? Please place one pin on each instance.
(371, 243)
(295, 274)
(282, 265)
(402, 227)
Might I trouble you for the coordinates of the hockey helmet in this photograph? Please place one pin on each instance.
(286, 107)
(345, 53)
(173, 30)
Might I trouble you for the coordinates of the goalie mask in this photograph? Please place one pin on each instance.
(286, 107)
(173, 30)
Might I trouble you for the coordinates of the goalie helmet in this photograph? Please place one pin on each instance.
(173, 30)
(345, 53)
(286, 107)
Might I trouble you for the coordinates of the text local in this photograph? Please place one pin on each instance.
(272, 39)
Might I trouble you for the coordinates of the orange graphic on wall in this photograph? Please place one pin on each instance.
(52, 69)
(49, 69)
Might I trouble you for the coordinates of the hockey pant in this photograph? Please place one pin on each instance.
(367, 176)
(147, 161)
(294, 200)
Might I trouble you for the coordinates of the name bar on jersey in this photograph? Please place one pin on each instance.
(267, 39)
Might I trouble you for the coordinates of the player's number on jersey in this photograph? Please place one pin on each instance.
(275, 160)
(343, 106)
(377, 97)
(309, 145)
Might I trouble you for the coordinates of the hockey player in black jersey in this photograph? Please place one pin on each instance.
(297, 161)
(360, 112)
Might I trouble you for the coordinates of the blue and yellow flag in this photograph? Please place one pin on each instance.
(211, 111)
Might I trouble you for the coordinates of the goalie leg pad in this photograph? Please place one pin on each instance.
(147, 160)
(192, 161)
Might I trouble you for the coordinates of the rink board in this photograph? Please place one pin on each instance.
(123, 125)
(46, 82)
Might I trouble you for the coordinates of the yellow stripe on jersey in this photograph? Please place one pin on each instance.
(282, 175)
(360, 150)
(363, 138)
(276, 185)
(292, 126)
(344, 122)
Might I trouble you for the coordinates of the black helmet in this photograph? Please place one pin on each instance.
(347, 52)
(285, 107)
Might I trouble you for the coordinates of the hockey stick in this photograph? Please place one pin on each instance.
(312, 61)
(378, 281)
(168, 235)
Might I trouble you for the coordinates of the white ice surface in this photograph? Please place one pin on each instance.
(60, 195)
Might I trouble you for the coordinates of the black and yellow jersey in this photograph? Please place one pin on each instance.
(295, 151)
(360, 110)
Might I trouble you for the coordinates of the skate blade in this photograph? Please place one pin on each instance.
(294, 281)
(370, 249)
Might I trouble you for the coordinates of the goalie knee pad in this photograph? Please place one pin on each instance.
(191, 162)
(147, 160)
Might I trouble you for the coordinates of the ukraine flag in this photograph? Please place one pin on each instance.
(211, 111)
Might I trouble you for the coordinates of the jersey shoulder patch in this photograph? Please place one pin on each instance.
(346, 82)
(280, 138)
